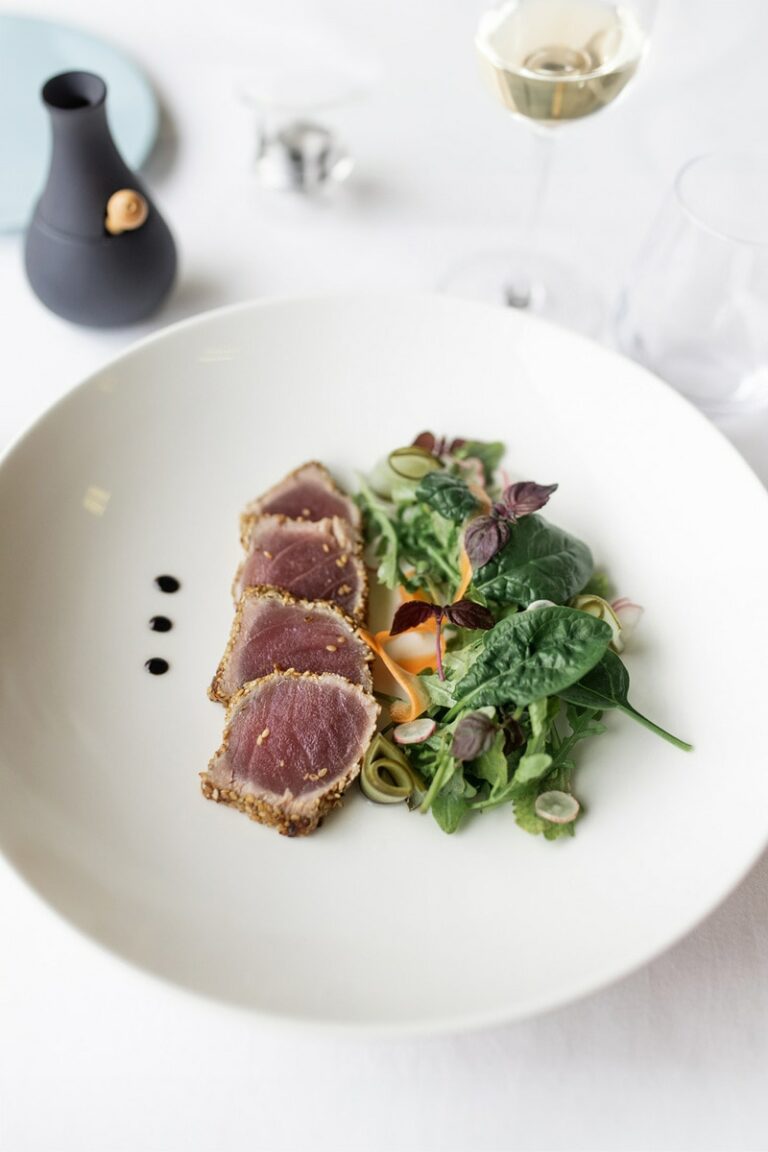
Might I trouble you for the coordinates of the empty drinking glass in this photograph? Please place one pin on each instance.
(695, 309)
(295, 81)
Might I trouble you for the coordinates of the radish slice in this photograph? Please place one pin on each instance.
(412, 463)
(557, 807)
(540, 604)
(628, 614)
(415, 732)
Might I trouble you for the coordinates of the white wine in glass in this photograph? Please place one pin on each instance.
(555, 60)
(550, 63)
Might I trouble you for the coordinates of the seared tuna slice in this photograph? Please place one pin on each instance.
(293, 743)
(309, 493)
(273, 632)
(316, 560)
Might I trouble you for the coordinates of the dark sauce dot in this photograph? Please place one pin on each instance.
(160, 624)
(167, 583)
(157, 666)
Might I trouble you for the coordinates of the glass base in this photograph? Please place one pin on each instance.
(530, 283)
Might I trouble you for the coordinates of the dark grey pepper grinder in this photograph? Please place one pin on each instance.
(97, 250)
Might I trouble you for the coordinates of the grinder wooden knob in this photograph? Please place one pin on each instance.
(126, 210)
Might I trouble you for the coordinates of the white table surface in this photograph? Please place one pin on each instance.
(94, 1055)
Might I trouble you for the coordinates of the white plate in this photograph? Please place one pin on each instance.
(379, 920)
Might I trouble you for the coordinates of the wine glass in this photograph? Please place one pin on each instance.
(694, 310)
(551, 63)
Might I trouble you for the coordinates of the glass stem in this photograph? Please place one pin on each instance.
(520, 290)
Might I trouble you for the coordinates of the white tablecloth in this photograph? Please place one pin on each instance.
(94, 1055)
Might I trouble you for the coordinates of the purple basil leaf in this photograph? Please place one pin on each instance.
(411, 614)
(474, 735)
(526, 497)
(484, 537)
(425, 440)
(467, 614)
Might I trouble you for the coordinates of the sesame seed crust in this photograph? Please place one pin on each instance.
(313, 471)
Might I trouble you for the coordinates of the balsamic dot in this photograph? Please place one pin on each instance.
(167, 583)
(157, 666)
(160, 624)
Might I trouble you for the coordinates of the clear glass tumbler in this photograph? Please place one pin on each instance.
(295, 81)
(695, 309)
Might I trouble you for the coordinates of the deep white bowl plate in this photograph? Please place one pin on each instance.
(379, 920)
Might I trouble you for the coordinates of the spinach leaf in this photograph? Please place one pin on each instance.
(488, 453)
(533, 654)
(447, 495)
(538, 562)
(607, 686)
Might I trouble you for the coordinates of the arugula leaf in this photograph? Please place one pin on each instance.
(526, 817)
(533, 767)
(488, 453)
(584, 722)
(450, 805)
(429, 551)
(535, 763)
(458, 661)
(491, 765)
(525, 812)
(533, 654)
(448, 809)
(538, 562)
(433, 761)
(538, 715)
(381, 532)
(607, 686)
(447, 495)
(442, 693)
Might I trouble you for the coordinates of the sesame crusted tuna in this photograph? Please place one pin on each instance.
(308, 493)
(314, 560)
(292, 744)
(273, 631)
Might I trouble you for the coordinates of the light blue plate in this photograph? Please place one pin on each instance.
(31, 51)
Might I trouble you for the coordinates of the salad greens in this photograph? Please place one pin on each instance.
(526, 642)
